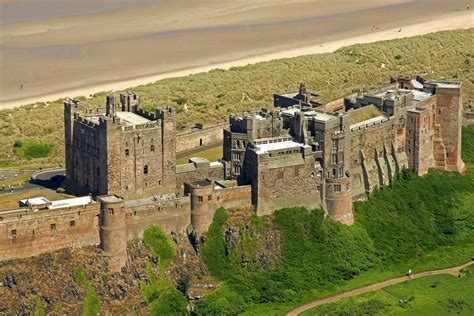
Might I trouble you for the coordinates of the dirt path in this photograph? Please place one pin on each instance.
(374, 287)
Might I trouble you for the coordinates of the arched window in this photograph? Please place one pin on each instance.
(145, 169)
(200, 141)
(127, 152)
(152, 148)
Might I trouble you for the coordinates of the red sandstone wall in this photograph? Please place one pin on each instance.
(35, 234)
(449, 117)
(236, 197)
(191, 139)
(173, 215)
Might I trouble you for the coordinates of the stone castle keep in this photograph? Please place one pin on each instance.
(301, 153)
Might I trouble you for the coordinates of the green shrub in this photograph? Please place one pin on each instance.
(92, 299)
(223, 301)
(31, 149)
(214, 250)
(170, 302)
(159, 244)
(160, 293)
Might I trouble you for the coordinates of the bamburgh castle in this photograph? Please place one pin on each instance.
(301, 153)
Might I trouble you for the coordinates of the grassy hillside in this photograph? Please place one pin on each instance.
(434, 295)
(418, 223)
(211, 97)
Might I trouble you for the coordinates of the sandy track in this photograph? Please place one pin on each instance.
(374, 287)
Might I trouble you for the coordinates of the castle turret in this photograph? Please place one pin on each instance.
(113, 232)
(202, 209)
(338, 189)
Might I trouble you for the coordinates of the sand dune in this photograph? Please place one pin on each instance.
(74, 55)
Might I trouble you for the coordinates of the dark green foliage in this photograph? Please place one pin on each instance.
(160, 293)
(170, 302)
(468, 144)
(316, 253)
(32, 149)
(397, 225)
(183, 284)
(214, 251)
(92, 299)
(224, 301)
(415, 216)
(161, 247)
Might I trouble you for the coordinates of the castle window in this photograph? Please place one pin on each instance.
(237, 169)
(280, 174)
(145, 169)
(110, 211)
(337, 188)
(13, 235)
(53, 227)
(152, 148)
(439, 111)
(209, 197)
(72, 224)
(199, 199)
(333, 158)
(127, 152)
(200, 141)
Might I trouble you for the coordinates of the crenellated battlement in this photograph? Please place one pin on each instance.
(369, 125)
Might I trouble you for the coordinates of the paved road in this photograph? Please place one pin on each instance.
(374, 287)
(40, 180)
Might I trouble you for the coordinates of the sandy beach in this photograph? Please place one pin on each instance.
(121, 44)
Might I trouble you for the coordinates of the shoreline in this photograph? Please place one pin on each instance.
(459, 20)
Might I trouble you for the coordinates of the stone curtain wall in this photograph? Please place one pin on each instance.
(207, 136)
(47, 230)
(173, 214)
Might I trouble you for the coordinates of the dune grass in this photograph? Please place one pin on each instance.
(211, 97)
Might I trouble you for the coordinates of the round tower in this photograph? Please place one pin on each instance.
(339, 199)
(201, 205)
(113, 232)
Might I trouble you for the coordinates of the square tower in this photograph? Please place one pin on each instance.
(122, 150)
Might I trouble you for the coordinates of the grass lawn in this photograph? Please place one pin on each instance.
(211, 153)
(432, 295)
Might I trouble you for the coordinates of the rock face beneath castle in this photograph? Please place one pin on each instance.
(300, 154)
